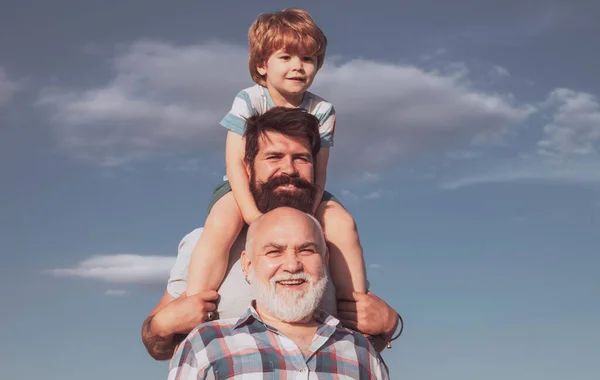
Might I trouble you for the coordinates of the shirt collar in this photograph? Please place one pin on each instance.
(251, 315)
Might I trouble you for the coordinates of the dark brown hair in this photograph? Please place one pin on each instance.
(296, 123)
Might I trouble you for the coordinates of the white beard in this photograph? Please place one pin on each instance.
(289, 305)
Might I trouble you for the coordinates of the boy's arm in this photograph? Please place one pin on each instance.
(320, 175)
(238, 176)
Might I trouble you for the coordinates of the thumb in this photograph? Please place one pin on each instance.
(209, 295)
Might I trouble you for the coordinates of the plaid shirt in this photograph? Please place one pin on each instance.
(247, 348)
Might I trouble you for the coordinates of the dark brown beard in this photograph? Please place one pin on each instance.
(268, 197)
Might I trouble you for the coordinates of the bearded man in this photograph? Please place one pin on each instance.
(280, 149)
(283, 334)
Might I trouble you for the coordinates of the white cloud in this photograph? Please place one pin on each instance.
(535, 169)
(567, 153)
(375, 266)
(575, 127)
(120, 269)
(165, 97)
(7, 88)
(501, 71)
(117, 292)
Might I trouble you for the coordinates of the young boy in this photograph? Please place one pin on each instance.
(286, 51)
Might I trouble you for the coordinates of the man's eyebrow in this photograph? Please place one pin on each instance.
(279, 247)
(270, 152)
(308, 244)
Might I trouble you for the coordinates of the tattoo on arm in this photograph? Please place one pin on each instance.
(158, 347)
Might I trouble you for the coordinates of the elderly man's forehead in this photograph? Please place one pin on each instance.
(285, 226)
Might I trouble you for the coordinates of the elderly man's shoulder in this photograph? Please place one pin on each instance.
(212, 332)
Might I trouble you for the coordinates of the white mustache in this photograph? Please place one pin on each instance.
(295, 276)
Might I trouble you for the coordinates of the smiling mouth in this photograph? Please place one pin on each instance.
(296, 79)
(288, 186)
(297, 282)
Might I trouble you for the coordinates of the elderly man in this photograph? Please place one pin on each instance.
(282, 333)
(280, 147)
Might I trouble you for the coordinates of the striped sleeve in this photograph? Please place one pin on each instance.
(242, 108)
(327, 126)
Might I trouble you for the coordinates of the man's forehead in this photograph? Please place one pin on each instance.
(273, 140)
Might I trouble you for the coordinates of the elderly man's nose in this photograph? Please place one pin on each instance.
(291, 263)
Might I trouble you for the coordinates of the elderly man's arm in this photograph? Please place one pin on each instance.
(370, 315)
(175, 316)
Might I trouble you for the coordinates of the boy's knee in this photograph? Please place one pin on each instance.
(225, 213)
(337, 218)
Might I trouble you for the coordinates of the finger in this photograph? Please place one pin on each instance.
(209, 306)
(210, 316)
(347, 315)
(349, 324)
(209, 295)
(344, 295)
(346, 306)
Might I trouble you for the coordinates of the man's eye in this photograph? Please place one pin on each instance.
(307, 252)
(272, 253)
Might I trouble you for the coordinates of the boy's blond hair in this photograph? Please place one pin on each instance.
(291, 29)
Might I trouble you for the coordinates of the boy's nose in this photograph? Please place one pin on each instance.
(297, 63)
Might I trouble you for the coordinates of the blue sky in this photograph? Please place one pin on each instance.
(467, 148)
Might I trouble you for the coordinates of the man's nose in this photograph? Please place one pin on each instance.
(288, 166)
(291, 263)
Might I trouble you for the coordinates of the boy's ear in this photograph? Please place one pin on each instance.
(262, 69)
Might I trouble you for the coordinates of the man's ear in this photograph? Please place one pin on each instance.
(247, 166)
(326, 256)
(246, 264)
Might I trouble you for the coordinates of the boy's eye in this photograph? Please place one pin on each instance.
(308, 59)
(285, 57)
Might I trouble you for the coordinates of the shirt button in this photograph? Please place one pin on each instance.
(302, 370)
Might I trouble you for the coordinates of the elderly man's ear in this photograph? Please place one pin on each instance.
(246, 265)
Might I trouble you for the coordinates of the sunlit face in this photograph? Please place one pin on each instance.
(281, 155)
(288, 76)
(285, 262)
